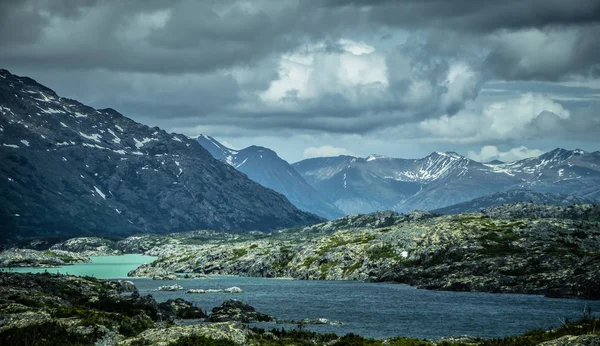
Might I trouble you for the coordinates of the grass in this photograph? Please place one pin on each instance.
(325, 268)
(380, 252)
(238, 253)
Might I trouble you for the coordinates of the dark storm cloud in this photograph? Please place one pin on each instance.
(180, 64)
(571, 26)
(197, 36)
(476, 15)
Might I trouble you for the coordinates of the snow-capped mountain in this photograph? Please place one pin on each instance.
(265, 167)
(360, 185)
(69, 169)
(511, 197)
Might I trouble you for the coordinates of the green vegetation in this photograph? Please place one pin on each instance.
(337, 241)
(383, 251)
(588, 324)
(44, 334)
(308, 261)
(199, 340)
(325, 268)
(351, 268)
(237, 253)
(128, 326)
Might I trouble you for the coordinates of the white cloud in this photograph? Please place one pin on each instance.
(491, 152)
(462, 83)
(324, 151)
(517, 118)
(356, 72)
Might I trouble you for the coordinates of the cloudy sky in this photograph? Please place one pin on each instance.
(487, 79)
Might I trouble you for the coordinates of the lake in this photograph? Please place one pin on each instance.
(376, 310)
(102, 267)
(382, 310)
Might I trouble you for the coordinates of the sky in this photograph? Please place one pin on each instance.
(487, 79)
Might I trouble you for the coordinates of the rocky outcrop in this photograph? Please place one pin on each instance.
(170, 288)
(33, 258)
(89, 246)
(226, 290)
(164, 335)
(465, 252)
(85, 311)
(234, 310)
(180, 309)
(574, 340)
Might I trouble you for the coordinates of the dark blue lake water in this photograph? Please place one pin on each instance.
(369, 309)
(382, 310)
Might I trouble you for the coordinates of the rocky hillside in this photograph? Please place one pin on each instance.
(490, 251)
(265, 167)
(511, 197)
(442, 179)
(69, 169)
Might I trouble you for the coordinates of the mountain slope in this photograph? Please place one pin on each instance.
(361, 185)
(68, 169)
(266, 168)
(511, 197)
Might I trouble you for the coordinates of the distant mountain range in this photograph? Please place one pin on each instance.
(361, 185)
(442, 179)
(266, 168)
(511, 197)
(69, 169)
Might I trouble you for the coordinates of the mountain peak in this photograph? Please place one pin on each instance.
(374, 157)
(449, 154)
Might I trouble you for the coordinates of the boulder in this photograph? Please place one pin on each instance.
(180, 309)
(170, 288)
(234, 310)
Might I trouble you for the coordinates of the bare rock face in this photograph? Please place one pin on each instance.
(71, 170)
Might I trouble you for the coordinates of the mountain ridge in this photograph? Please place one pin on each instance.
(265, 167)
(70, 169)
(360, 185)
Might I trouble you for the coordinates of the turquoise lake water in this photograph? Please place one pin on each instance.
(376, 310)
(102, 267)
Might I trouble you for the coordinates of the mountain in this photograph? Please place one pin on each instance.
(558, 171)
(361, 185)
(511, 197)
(266, 168)
(69, 169)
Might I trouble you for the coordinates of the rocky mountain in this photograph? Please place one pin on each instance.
(69, 169)
(360, 185)
(265, 167)
(511, 197)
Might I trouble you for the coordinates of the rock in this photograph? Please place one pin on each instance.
(170, 288)
(89, 246)
(234, 310)
(180, 309)
(33, 258)
(165, 335)
(313, 321)
(226, 290)
(125, 286)
(165, 277)
(570, 340)
(194, 291)
(233, 290)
